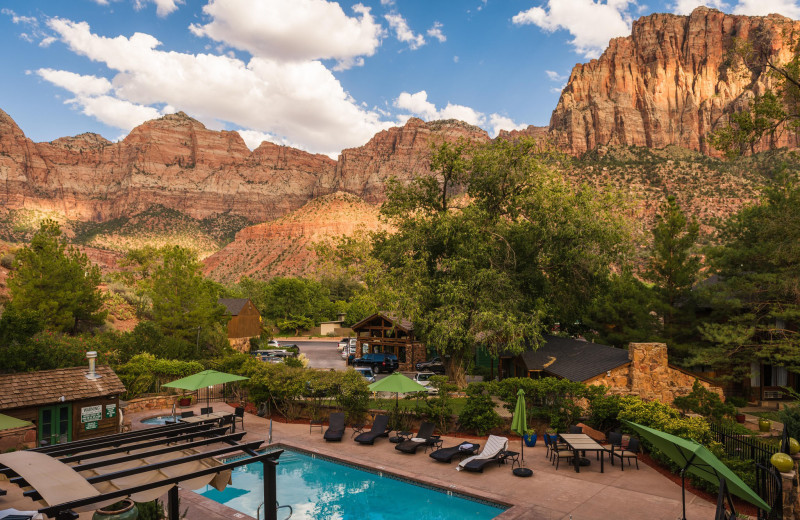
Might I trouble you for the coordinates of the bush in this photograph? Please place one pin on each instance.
(704, 402)
(478, 413)
(790, 417)
(7, 260)
(439, 409)
(737, 401)
(604, 412)
(146, 373)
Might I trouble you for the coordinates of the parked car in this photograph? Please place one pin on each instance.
(343, 343)
(424, 378)
(367, 373)
(433, 365)
(378, 362)
(273, 343)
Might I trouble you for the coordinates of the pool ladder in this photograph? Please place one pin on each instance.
(277, 506)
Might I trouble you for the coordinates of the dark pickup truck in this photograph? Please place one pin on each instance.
(377, 362)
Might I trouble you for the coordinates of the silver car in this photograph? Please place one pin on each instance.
(367, 373)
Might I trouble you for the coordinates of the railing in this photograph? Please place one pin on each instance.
(768, 482)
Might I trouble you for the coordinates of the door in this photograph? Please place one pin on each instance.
(55, 424)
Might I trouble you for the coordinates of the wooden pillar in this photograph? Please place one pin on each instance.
(270, 494)
(174, 511)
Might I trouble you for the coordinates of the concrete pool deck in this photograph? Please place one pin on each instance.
(549, 495)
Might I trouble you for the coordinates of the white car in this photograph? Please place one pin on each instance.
(273, 343)
(367, 373)
(424, 378)
(343, 343)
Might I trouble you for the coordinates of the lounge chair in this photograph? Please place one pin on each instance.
(335, 430)
(462, 450)
(379, 429)
(425, 437)
(494, 451)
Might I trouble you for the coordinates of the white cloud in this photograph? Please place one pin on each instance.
(299, 101)
(498, 122)
(100, 2)
(163, 7)
(254, 138)
(592, 23)
(46, 41)
(555, 76)
(293, 29)
(764, 7)
(436, 32)
(403, 32)
(115, 112)
(685, 7)
(418, 105)
(455, 59)
(75, 83)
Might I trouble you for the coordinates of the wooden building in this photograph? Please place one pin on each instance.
(64, 404)
(245, 319)
(389, 334)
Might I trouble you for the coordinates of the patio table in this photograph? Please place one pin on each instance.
(580, 442)
(214, 416)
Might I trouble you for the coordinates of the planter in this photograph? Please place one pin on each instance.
(764, 425)
(185, 401)
(125, 510)
(553, 437)
(740, 418)
(530, 440)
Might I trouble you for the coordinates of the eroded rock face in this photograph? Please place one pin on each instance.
(173, 161)
(670, 82)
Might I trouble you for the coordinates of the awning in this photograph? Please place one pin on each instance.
(9, 423)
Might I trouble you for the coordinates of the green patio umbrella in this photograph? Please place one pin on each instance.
(695, 458)
(519, 423)
(204, 379)
(397, 383)
(8, 423)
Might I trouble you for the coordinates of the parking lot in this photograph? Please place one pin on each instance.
(322, 353)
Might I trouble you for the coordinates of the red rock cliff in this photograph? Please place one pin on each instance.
(670, 82)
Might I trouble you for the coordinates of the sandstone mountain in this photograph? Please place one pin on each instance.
(670, 82)
(284, 247)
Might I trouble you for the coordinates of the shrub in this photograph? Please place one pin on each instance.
(439, 409)
(478, 413)
(790, 417)
(146, 373)
(737, 401)
(704, 402)
(7, 260)
(603, 412)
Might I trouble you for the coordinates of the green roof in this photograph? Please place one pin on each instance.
(9, 423)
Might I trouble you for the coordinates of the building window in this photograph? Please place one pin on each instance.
(401, 354)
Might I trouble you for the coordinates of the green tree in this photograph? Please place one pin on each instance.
(673, 267)
(296, 298)
(56, 282)
(756, 303)
(184, 302)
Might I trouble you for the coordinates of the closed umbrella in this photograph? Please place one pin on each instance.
(695, 458)
(519, 423)
(204, 379)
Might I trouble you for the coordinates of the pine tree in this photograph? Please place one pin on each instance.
(56, 282)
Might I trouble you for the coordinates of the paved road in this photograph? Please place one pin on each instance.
(321, 354)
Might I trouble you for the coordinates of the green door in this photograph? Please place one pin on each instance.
(55, 424)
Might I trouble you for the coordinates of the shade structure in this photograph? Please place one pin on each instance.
(519, 423)
(397, 383)
(8, 423)
(695, 458)
(204, 379)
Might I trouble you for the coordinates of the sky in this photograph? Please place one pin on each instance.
(318, 75)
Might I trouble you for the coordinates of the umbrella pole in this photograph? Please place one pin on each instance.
(683, 491)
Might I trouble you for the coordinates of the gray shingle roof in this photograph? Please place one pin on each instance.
(234, 305)
(574, 359)
(47, 386)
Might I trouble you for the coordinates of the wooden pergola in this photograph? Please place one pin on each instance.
(168, 445)
(384, 332)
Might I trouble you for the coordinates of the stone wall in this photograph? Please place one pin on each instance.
(650, 376)
(18, 438)
(157, 402)
(240, 344)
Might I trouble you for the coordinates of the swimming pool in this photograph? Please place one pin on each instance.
(160, 420)
(318, 488)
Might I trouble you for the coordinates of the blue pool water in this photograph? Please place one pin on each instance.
(317, 488)
(160, 420)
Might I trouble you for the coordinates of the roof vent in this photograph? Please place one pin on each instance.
(92, 357)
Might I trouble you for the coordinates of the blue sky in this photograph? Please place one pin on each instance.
(316, 74)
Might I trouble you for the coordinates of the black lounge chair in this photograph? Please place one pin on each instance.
(448, 454)
(379, 426)
(494, 451)
(425, 437)
(335, 430)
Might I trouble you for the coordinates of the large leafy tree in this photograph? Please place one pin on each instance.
(56, 282)
(673, 267)
(522, 249)
(756, 303)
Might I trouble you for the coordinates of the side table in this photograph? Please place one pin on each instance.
(513, 456)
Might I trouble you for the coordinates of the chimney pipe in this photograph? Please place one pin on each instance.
(92, 357)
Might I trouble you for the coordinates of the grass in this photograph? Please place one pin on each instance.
(771, 415)
(456, 403)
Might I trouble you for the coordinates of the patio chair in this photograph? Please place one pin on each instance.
(335, 430)
(184, 415)
(238, 415)
(614, 443)
(494, 451)
(559, 452)
(630, 452)
(575, 429)
(205, 411)
(379, 429)
(425, 437)
(227, 421)
(461, 450)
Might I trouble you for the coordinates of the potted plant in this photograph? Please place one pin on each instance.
(764, 424)
(530, 438)
(551, 435)
(122, 510)
(740, 418)
(185, 400)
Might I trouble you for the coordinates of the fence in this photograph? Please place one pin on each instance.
(768, 482)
